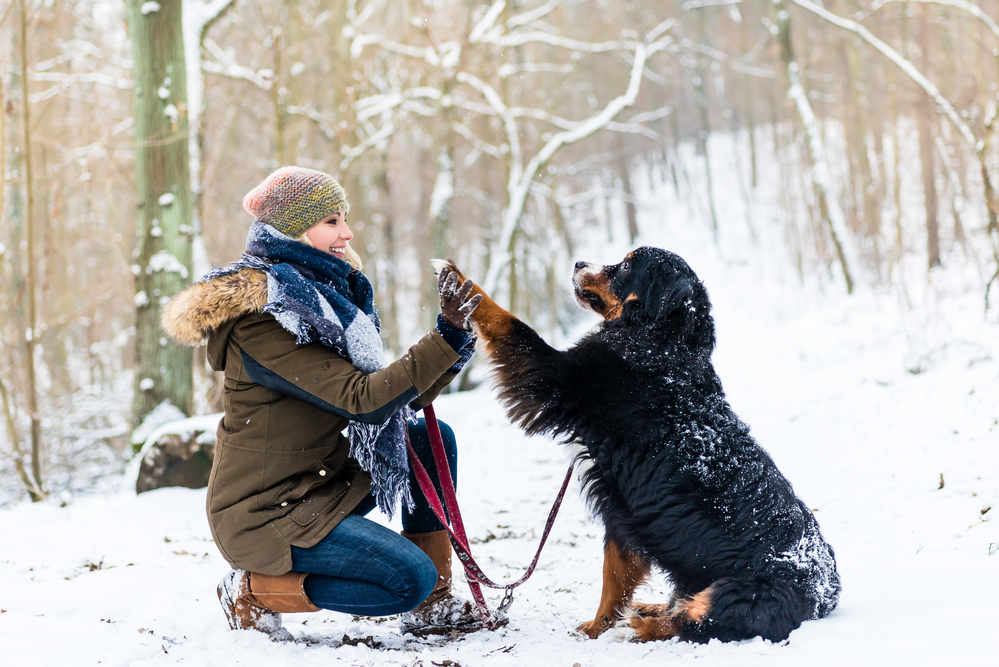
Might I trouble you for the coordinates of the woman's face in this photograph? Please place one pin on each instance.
(331, 235)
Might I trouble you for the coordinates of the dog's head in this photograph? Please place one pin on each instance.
(648, 287)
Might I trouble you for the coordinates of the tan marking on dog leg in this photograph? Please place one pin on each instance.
(489, 320)
(655, 629)
(650, 610)
(698, 606)
(624, 571)
(670, 619)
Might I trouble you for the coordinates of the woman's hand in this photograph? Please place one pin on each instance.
(456, 306)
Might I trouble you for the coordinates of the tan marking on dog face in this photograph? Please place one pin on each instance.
(592, 291)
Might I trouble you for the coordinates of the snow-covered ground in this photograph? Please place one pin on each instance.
(882, 410)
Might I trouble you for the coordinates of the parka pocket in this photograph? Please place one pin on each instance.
(309, 509)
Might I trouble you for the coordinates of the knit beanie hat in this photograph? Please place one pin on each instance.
(294, 199)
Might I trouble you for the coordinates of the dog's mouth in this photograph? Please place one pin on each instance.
(590, 301)
(591, 287)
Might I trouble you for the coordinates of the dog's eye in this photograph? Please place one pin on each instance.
(625, 267)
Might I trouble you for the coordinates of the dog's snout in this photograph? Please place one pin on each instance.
(580, 265)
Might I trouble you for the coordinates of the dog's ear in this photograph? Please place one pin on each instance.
(677, 300)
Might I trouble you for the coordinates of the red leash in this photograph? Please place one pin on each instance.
(476, 577)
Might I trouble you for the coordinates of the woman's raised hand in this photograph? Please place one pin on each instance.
(456, 305)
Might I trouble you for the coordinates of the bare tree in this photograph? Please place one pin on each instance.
(163, 179)
(821, 175)
(29, 233)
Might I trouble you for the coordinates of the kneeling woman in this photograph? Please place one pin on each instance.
(293, 327)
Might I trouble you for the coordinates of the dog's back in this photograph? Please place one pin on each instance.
(674, 475)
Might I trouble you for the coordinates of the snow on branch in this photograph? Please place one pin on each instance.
(736, 64)
(375, 105)
(501, 110)
(508, 69)
(629, 127)
(699, 4)
(487, 22)
(321, 120)
(532, 15)
(198, 15)
(226, 66)
(903, 64)
(67, 81)
(476, 142)
(520, 187)
(958, 4)
(351, 154)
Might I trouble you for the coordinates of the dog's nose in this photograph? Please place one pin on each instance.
(580, 265)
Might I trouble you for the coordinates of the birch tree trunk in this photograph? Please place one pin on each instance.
(163, 179)
(831, 214)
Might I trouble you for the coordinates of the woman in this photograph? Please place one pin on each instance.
(293, 327)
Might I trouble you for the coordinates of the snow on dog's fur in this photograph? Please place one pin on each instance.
(675, 475)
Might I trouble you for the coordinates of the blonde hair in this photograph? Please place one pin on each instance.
(350, 255)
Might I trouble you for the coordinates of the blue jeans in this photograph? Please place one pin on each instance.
(363, 568)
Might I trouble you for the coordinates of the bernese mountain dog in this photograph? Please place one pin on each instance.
(674, 475)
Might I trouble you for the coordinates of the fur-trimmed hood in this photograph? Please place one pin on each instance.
(198, 311)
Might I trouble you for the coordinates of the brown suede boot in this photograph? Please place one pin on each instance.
(442, 612)
(254, 601)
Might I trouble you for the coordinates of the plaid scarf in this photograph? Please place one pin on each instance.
(322, 299)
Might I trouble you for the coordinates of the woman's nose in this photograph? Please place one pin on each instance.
(345, 232)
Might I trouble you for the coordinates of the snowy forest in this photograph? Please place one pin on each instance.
(500, 135)
(845, 149)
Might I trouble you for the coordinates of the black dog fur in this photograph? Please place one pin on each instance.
(675, 475)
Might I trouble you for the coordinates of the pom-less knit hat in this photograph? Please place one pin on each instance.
(293, 199)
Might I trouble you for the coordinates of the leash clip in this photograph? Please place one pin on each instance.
(507, 601)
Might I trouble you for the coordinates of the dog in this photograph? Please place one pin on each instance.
(674, 475)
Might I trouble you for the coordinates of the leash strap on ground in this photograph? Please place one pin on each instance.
(459, 540)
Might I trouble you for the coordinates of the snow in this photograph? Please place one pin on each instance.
(141, 299)
(145, 384)
(164, 413)
(164, 261)
(166, 418)
(865, 402)
(149, 7)
(166, 199)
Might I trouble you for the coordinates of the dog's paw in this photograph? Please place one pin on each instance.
(594, 628)
(439, 264)
(622, 632)
(649, 629)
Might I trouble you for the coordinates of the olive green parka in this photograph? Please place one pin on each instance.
(282, 475)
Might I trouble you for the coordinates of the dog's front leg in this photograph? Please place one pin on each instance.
(624, 571)
(490, 321)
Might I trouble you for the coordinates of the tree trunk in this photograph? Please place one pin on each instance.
(629, 201)
(31, 335)
(700, 94)
(162, 372)
(926, 153)
(829, 209)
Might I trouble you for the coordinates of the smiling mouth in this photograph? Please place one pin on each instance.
(338, 252)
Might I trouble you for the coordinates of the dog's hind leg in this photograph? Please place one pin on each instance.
(731, 609)
(751, 606)
(659, 622)
(624, 571)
